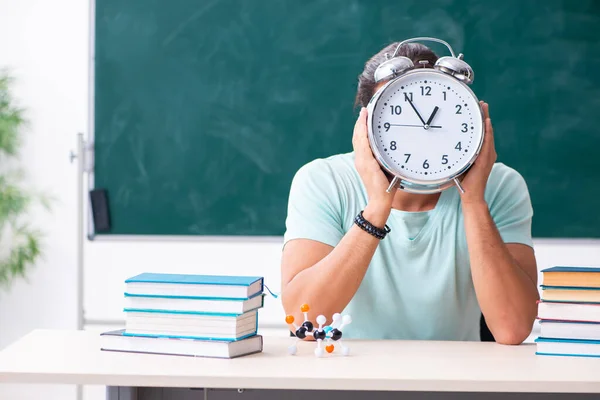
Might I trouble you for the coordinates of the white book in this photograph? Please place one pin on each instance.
(192, 325)
(135, 302)
(586, 312)
(117, 341)
(560, 347)
(569, 330)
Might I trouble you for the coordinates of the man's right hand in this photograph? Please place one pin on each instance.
(375, 181)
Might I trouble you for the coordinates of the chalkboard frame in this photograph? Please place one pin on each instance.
(92, 234)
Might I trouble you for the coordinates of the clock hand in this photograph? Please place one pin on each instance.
(414, 108)
(432, 115)
(415, 126)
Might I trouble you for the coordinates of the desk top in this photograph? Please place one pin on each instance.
(73, 357)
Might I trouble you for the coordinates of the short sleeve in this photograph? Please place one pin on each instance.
(314, 205)
(510, 205)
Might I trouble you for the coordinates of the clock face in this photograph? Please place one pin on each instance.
(425, 126)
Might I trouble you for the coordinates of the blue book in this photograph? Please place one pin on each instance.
(570, 294)
(120, 341)
(191, 325)
(195, 286)
(197, 305)
(571, 276)
(567, 347)
(561, 268)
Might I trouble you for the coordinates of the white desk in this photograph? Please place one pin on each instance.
(73, 357)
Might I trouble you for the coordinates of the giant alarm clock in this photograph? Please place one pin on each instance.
(425, 125)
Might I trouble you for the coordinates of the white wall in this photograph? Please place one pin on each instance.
(45, 44)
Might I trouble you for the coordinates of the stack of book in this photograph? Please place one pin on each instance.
(569, 312)
(192, 315)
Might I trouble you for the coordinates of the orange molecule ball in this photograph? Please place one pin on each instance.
(304, 308)
(329, 348)
(289, 319)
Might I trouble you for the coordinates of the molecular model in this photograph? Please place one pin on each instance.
(326, 333)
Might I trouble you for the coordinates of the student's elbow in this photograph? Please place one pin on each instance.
(512, 335)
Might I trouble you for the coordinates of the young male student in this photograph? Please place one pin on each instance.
(448, 258)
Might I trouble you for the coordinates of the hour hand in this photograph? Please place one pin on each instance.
(432, 115)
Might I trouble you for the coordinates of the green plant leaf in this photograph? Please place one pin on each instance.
(20, 243)
(24, 253)
(11, 119)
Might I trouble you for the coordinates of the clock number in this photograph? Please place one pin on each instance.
(408, 96)
(425, 164)
(444, 96)
(458, 108)
(425, 91)
(386, 126)
(445, 159)
(393, 145)
(458, 146)
(396, 110)
(464, 129)
(407, 157)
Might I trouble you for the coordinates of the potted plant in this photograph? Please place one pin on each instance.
(19, 241)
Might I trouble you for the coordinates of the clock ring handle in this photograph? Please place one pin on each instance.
(417, 39)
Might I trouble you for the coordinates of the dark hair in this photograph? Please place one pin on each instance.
(366, 80)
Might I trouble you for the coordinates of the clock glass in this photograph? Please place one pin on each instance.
(425, 126)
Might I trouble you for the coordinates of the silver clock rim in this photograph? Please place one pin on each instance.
(411, 184)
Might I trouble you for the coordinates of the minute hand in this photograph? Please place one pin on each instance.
(414, 108)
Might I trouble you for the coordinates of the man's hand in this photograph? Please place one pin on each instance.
(376, 183)
(476, 178)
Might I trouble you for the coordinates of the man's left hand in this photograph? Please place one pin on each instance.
(476, 178)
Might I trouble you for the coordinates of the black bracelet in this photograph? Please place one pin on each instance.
(370, 228)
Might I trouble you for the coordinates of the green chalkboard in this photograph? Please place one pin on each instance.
(204, 110)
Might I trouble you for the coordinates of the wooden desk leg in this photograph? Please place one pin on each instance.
(121, 393)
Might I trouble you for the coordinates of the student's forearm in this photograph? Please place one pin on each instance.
(329, 285)
(506, 294)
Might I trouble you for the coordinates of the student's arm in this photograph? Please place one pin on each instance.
(326, 276)
(504, 274)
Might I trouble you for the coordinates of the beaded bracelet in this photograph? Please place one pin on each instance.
(370, 228)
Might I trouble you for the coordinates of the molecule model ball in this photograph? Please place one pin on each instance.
(324, 333)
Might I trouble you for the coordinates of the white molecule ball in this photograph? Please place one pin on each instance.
(346, 319)
(319, 352)
(336, 317)
(321, 319)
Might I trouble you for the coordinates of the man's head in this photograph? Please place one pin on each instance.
(366, 81)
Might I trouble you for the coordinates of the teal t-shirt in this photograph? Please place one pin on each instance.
(418, 284)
